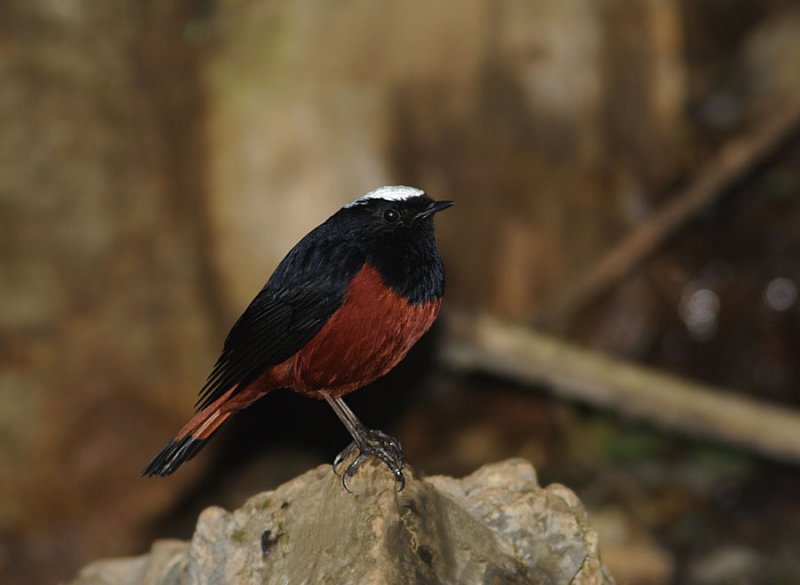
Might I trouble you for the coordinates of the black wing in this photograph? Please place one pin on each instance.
(305, 290)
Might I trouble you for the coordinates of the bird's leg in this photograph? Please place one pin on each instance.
(369, 442)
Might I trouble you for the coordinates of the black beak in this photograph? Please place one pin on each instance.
(434, 207)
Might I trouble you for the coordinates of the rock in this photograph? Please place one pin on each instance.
(494, 526)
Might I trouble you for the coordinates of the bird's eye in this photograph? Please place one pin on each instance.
(391, 215)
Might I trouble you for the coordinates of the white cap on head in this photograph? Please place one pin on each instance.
(388, 193)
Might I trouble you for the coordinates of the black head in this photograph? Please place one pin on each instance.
(393, 228)
(390, 213)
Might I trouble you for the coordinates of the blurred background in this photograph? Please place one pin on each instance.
(627, 175)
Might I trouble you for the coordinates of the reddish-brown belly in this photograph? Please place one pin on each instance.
(370, 333)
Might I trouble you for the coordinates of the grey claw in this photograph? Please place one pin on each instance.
(373, 444)
(399, 478)
(344, 454)
(351, 471)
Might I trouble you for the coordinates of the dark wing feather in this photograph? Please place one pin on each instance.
(271, 329)
(305, 290)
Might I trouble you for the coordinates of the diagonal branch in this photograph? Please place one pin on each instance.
(735, 161)
(516, 352)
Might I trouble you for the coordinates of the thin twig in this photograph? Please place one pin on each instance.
(735, 161)
(516, 352)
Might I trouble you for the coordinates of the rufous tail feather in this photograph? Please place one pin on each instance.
(190, 439)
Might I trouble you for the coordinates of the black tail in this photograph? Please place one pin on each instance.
(173, 455)
(190, 439)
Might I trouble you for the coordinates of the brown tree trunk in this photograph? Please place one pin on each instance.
(106, 315)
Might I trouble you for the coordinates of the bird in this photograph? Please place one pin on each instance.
(342, 309)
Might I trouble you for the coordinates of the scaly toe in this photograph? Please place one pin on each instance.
(342, 456)
(351, 471)
(375, 444)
